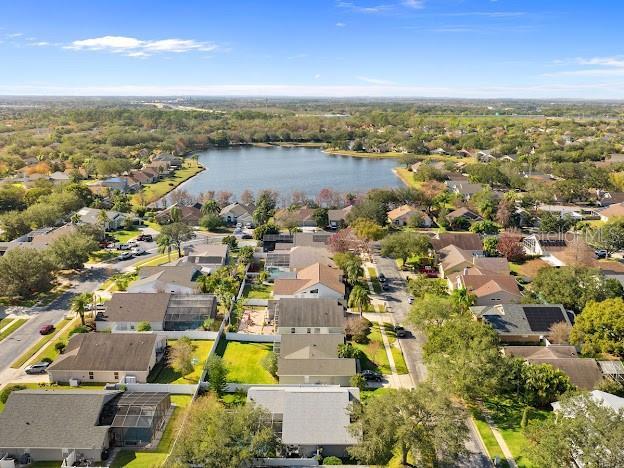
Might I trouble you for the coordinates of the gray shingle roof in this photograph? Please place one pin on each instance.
(54, 419)
(522, 319)
(136, 307)
(107, 352)
(297, 312)
(311, 415)
(313, 345)
(330, 367)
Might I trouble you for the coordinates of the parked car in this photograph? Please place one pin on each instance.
(46, 329)
(38, 368)
(372, 376)
(246, 236)
(385, 287)
(381, 278)
(125, 256)
(124, 247)
(601, 253)
(248, 225)
(400, 332)
(98, 306)
(410, 299)
(132, 243)
(428, 271)
(137, 251)
(145, 238)
(239, 225)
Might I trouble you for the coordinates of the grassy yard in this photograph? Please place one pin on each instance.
(158, 260)
(124, 236)
(39, 344)
(528, 269)
(4, 322)
(407, 177)
(15, 324)
(162, 373)
(506, 413)
(257, 291)
(362, 154)
(153, 192)
(244, 361)
(156, 458)
(397, 355)
(51, 387)
(372, 272)
(50, 352)
(376, 358)
(488, 438)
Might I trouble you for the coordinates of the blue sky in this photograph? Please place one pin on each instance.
(440, 48)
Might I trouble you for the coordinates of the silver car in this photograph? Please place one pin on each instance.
(38, 368)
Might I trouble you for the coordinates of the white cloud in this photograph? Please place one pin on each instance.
(376, 81)
(15, 34)
(317, 76)
(415, 4)
(340, 25)
(489, 14)
(364, 9)
(40, 44)
(600, 66)
(133, 47)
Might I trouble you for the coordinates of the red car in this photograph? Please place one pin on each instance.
(46, 329)
(428, 271)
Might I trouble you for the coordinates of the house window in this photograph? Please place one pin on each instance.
(292, 330)
(90, 375)
(116, 375)
(309, 330)
(314, 291)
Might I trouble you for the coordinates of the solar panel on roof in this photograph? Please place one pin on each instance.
(542, 318)
(553, 242)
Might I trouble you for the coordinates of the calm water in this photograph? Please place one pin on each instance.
(287, 170)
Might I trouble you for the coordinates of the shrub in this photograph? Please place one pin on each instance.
(269, 362)
(79, 329)
(4, 395)
(143, 326)
(59, 346)
(332, 461)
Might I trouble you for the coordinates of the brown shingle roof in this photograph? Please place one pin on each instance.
(465, 241)
(309, 276)
(107, 352)
(583, 372)
(137, 307)
(483, 285)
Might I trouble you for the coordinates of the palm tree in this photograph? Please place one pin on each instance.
(462, 298)
(353, 272)
(79, 304)
(359, 298)
(175, 214)
(205, 283)
(102, 219)
(165, 245)
(209, 207)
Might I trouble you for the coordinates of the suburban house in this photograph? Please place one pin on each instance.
(521, 323)
(337, 218)
(488, 288)
(40, 425)
(178, 279)
(163, 311)
(58, 178)
(106, 357)
(236, 213)
(577, 213)
(465, 189)
(608, 400)
(174, 161)
(315, 281)
(313, 359)
(585, 373)
(402, 215)
(133, 185)
(271, 242)
(115, 183)
(300, 217)
(463, 212)
(454, 260)
(615, 210)
(39, 238)
(188, 214)
(94, 217)
(162, 167)
(557, 249)
(303, 316)
(286, 263)
(608, 198)
(463, 240)
(309, 420)
(208, 257)
(485, 156)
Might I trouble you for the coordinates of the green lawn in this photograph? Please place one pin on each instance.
(156, 458)
(162, 373)
(506, 413)
(407, 177)
(153, 192)
(257, 291)
(397, 355)
(158, 260)
(376, 358)
(244, 361)
(124, 236)
(11, 328)
(362, 154)
(39, 344)
(488, 438)
(372, 272)
(4, 322)
(50, 352)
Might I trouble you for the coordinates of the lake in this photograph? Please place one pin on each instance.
(288, 170)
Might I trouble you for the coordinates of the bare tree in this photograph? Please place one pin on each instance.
(247, 197)
(224, 198)
(559, 333)
(181, 356)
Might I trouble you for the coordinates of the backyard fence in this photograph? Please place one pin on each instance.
(183, 389)
(253, 338)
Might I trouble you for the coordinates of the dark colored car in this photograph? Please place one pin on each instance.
(381, 278)
(246, 236)
(46, 329)
(385, 287)
(145, 238)
(372, 376)
(400, 332)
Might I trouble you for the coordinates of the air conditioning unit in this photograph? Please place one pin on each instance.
(130, 379)
(74, 382)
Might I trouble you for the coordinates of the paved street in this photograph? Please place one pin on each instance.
(396, 298)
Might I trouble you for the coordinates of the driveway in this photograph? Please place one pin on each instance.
(396, 298)
(28, 334)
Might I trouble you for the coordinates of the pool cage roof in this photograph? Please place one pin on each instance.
(137, 409)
